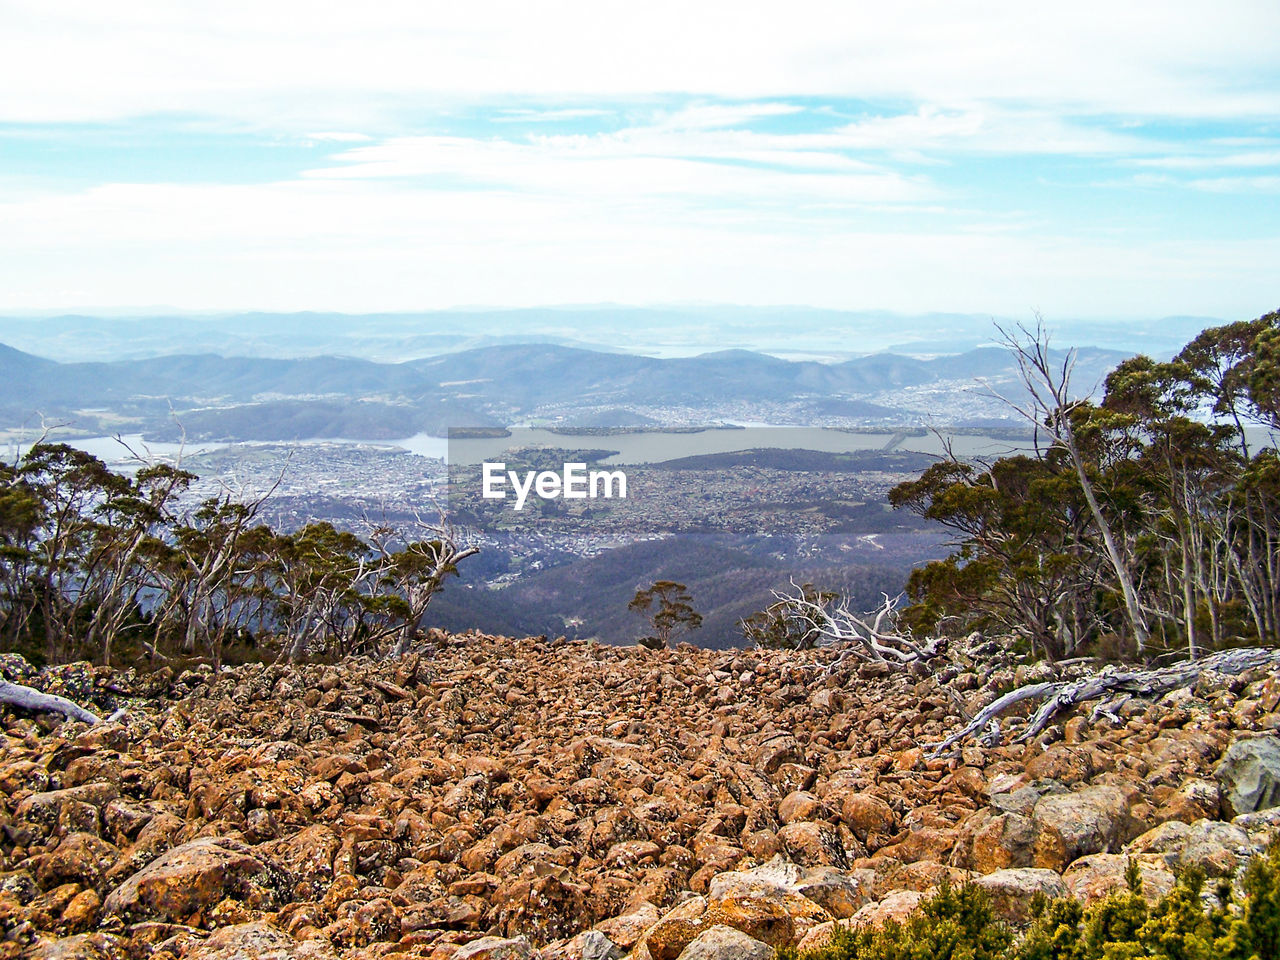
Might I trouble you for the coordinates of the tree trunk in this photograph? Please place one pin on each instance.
(27, 698)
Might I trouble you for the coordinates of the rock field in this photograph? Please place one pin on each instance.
(506, 799)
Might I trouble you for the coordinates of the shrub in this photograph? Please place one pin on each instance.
(954, 924)
(957, 924)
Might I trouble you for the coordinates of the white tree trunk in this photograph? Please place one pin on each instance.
(26, 698)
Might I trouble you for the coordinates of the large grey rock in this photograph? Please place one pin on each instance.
(1217, 849)
(835, 890)
(1096, 819)
(1250, 775)
(83, 946)
(596, 946)
(725, 943)
(1012, 890)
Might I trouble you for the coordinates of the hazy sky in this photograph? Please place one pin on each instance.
(1085, 158)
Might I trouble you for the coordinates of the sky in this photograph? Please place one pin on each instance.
(1098, 160)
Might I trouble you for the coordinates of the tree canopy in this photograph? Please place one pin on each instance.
(1147, 521)
(92, 558)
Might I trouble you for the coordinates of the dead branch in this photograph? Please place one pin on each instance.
(27, 698)
(872, 636)
(1059, 696)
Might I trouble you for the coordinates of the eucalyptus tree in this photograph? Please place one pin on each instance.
(1151, 514)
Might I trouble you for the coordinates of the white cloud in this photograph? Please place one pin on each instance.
(1250, 185)
(716, 184)
(364, 245)
(338, 136)
(702, 167)
(1254, 158)
(290, 62)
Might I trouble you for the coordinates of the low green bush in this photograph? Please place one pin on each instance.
(1185, 924)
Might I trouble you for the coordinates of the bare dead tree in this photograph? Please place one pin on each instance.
(416, 571)
(1051, 407)
(873, 636)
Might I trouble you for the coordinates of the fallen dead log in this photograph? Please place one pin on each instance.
(1062, 695)
(28, 698)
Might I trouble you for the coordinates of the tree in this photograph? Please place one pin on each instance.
(1052, 406)
(1149, 514)
(668, 607)
(784, 626)
(415, 573)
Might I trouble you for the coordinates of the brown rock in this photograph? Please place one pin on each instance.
(813, 844)
(801, 805)
(866, 815)
(80, 858)
(1011, 891)
(261, 941)
(43, 810)
(82, 912)
(626, 930)
(193, 878)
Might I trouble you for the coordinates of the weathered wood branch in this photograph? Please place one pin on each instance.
(1059, 696)
(863, 637)
(27, 698)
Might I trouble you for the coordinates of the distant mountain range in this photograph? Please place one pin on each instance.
(281, 399)
(678, 330)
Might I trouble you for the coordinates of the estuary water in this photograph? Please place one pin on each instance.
(639, 447)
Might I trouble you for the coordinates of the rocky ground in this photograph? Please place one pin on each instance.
(502, 798)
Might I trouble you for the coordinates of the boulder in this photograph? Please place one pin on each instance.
(725, 943)
(82, 946)
(496, 948)
(1094, 877)
(1216, 848)
(261, 941)
(80, 858)
(1011, 891)
(1250, 775)
(801, 805)
(819, 937)
(989, 841)
(760, 916)
(1071, 825)
(813, 844)
(896, 906)
(627, 929)
(866, 815)
(592, 945)
(193, 878)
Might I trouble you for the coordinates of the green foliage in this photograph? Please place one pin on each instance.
(668, 607)
(1149, 516)
(1181, 926)
(956, 923)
